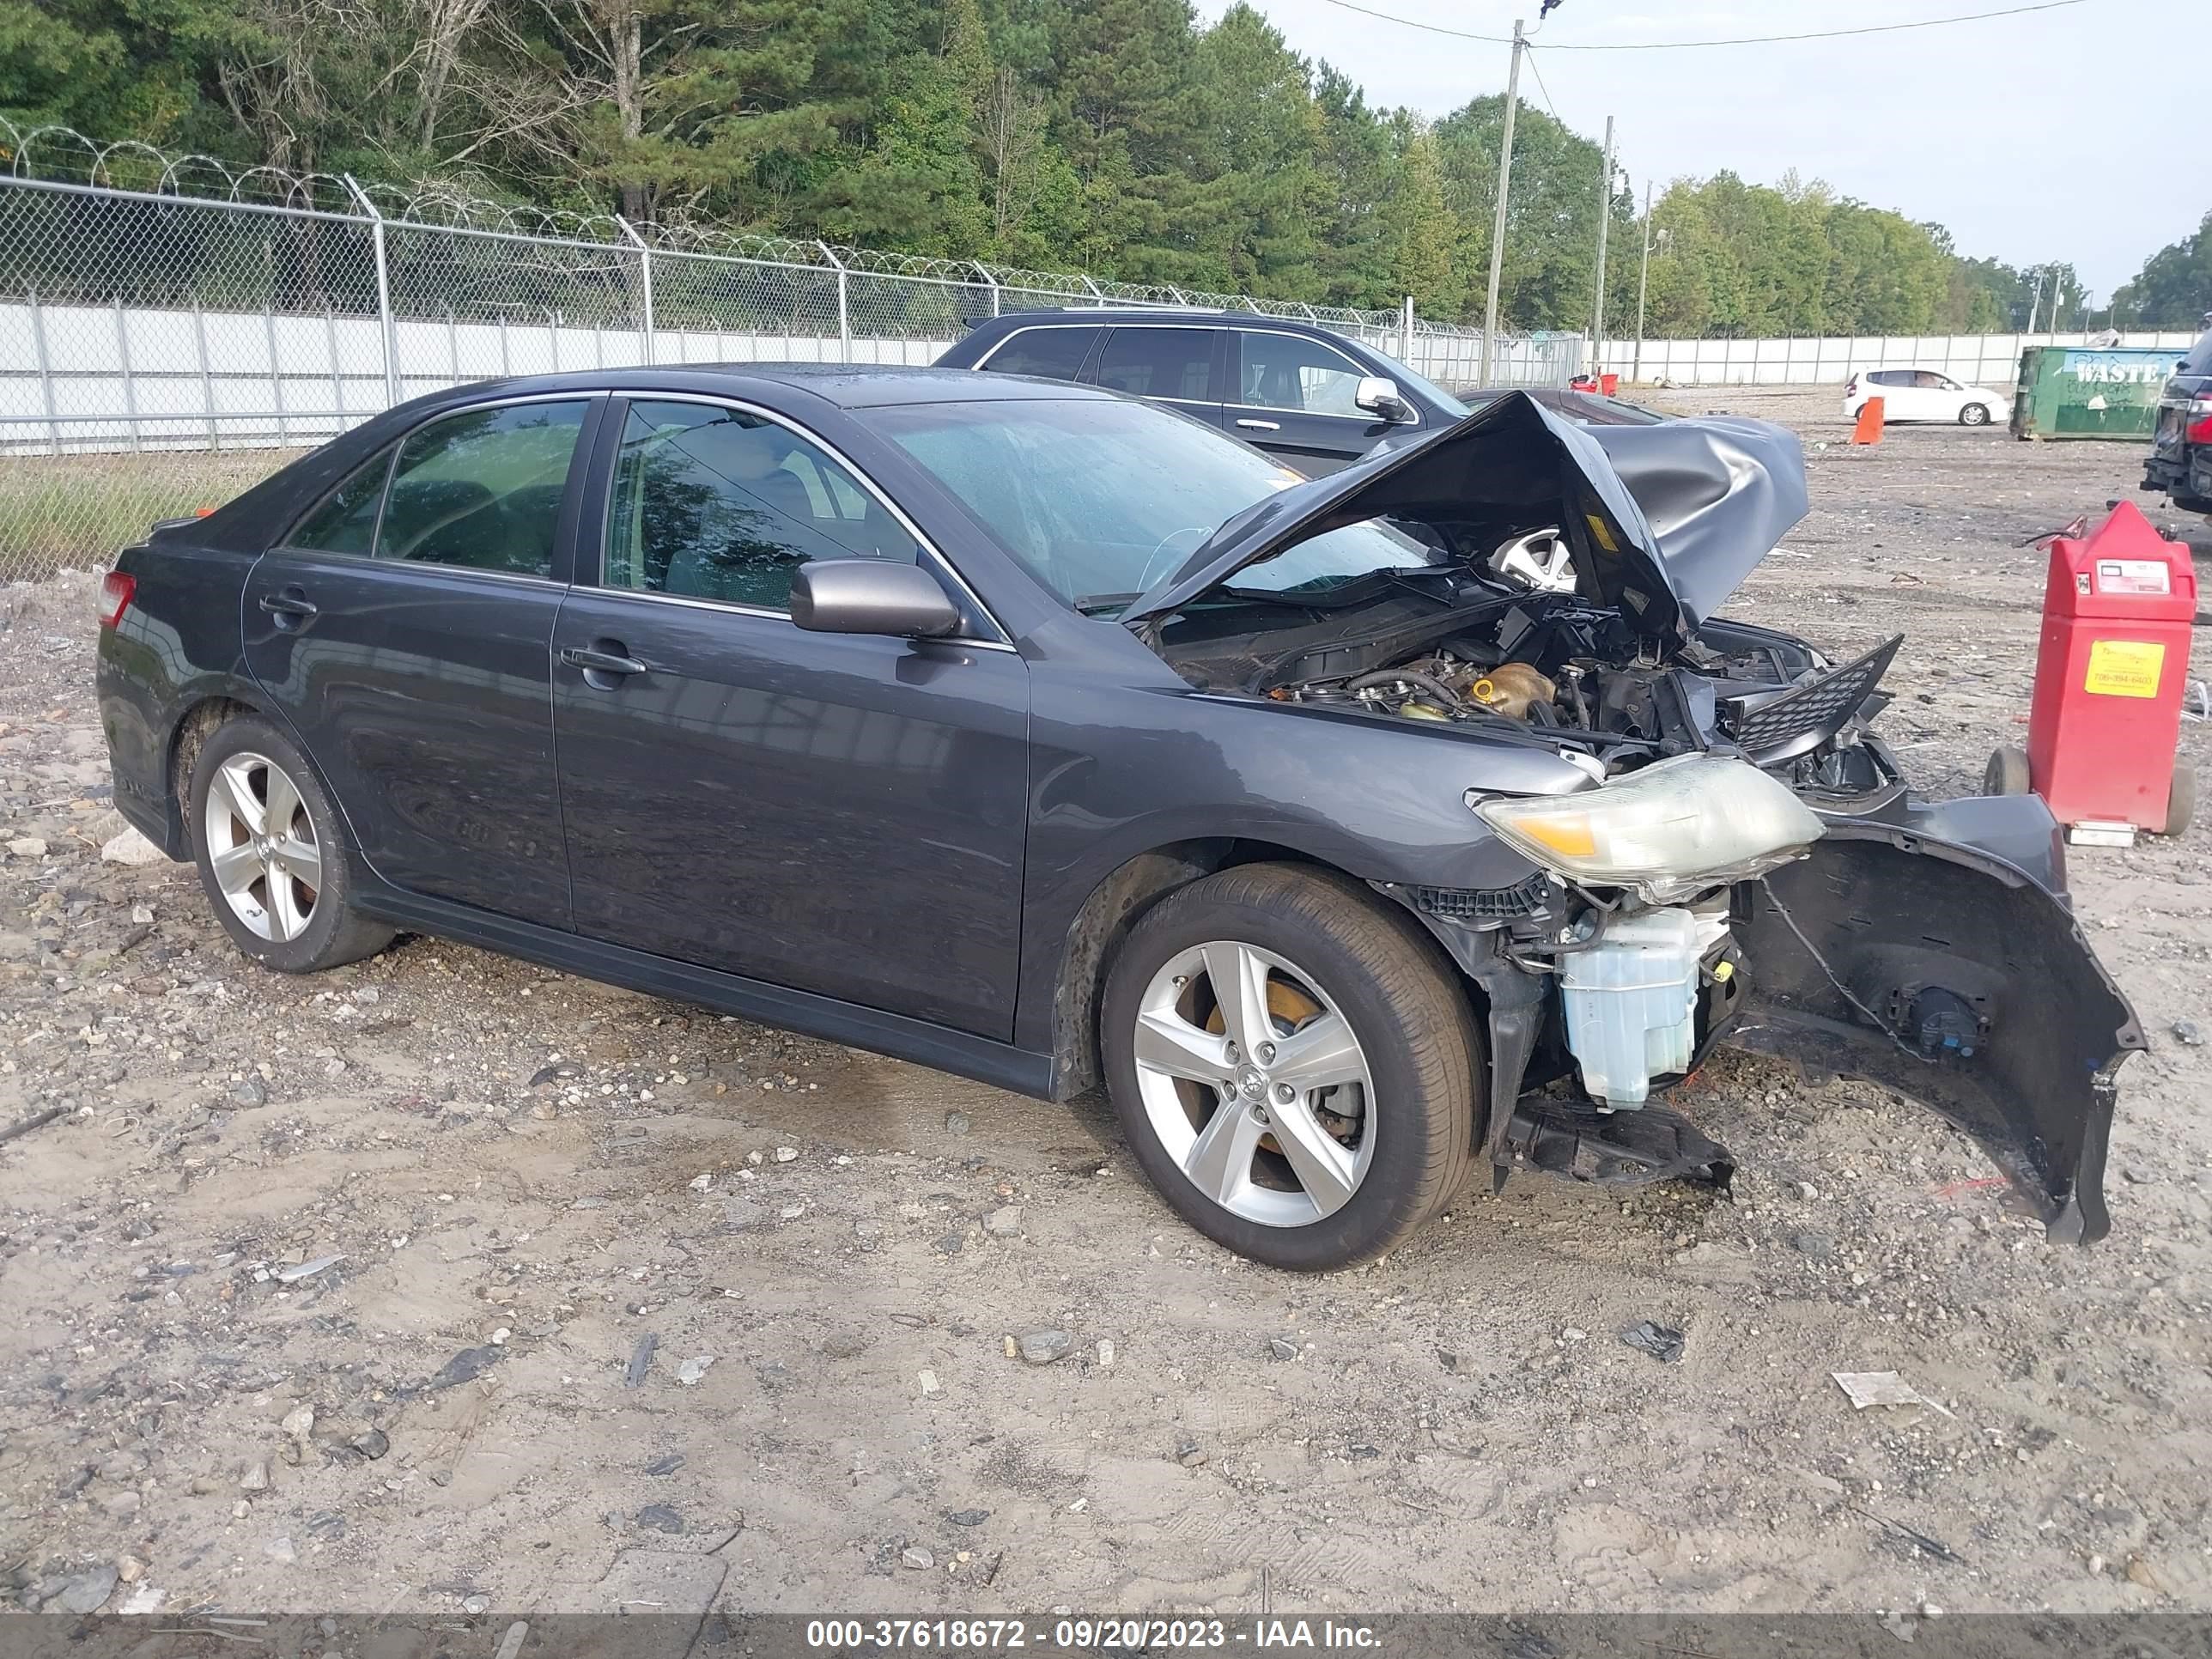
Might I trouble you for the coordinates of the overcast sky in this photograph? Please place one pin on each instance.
(2056, 135)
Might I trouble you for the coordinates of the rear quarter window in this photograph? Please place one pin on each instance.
(1055, 353)
(345, 521)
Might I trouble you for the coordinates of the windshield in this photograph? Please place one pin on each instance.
(1100, 498)
(1613, 412)
(1452, 406)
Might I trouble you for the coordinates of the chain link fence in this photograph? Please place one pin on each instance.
(172, 330)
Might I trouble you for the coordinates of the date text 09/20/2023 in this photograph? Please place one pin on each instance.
(1080, 1634)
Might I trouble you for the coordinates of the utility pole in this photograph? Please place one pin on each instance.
(2035, 305)
(1497, 221)
(1643, 285)
(1604, 222)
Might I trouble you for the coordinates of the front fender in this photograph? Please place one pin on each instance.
(1944, 972)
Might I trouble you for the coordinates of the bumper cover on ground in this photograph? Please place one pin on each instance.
(1959, 980)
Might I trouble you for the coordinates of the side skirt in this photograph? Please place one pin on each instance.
(1000, 1065)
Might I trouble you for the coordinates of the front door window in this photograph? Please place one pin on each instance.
(1285, 371)
(713, 503)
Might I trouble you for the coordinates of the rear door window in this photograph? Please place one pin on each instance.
(1056, 352)
(1176, 363)
(482, 490)
(1892, 377)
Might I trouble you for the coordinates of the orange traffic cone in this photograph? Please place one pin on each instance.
(1869, 430)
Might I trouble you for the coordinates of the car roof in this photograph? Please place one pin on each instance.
(849, 385)
(1160, 316)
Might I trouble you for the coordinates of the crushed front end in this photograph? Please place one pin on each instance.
(1740, 860)
(1939, 970)
(1935, 968)
(1928, 947)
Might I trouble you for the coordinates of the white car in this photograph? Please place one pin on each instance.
(1924, 394)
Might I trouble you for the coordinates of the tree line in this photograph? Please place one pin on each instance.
(1119, 137)
(2174, 287)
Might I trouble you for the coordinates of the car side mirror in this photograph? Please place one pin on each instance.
(1378, 395)
(872, 596)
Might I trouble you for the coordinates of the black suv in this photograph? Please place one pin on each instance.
(1315, 398)
(2180, 461)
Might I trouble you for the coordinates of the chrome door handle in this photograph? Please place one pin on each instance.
(602, 662)
(1261, 426)
(290, 608)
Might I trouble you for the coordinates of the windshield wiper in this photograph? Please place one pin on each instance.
(1100, 604)
(1345, 595)
(1095, 604)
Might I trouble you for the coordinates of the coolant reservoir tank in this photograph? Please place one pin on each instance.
(1509, 688)
(1631, 999)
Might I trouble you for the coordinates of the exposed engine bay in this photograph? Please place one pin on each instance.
(1522, 664)
(1740, 860)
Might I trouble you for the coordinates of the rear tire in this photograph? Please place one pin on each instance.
(2006, 773)
(273, 854)
(1304, 1177)
(1974, 415)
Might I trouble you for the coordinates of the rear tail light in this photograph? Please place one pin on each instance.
(1851, 387)
(116, 593)
(2197, 418)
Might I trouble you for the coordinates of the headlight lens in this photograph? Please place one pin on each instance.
(1673, 828)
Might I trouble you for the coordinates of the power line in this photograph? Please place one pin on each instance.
(1684, 45)
(1541, 88)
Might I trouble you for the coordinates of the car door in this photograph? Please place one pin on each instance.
(1168, 364)
(1901, 400)
(1918, 393)
(1292, 396)
(837, 813)
(1941, 398)
(403, 629)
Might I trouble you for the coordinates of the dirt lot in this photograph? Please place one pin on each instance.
(630, 1305)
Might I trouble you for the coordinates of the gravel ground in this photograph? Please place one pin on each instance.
(445, 1283)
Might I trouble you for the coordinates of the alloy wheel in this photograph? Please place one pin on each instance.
(1255, 1083)
(261, 845)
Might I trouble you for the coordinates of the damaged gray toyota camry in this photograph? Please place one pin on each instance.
(1367, 837)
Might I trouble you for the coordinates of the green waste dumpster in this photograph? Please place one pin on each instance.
(2083, 391)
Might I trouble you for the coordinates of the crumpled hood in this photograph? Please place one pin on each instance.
(1721, 493)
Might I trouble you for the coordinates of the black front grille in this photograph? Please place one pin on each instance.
(1484, 903)
(1808, 716)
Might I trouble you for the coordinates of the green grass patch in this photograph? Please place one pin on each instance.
(73, 512)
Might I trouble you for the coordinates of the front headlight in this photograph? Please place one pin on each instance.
(1673, 828)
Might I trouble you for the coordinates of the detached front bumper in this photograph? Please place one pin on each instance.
(1955, 975)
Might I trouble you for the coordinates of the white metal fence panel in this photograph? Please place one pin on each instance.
(169, 331)
(1989, 359)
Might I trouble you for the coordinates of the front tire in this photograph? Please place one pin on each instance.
(271, 853)
(1294, 1067)
(1974, 415)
